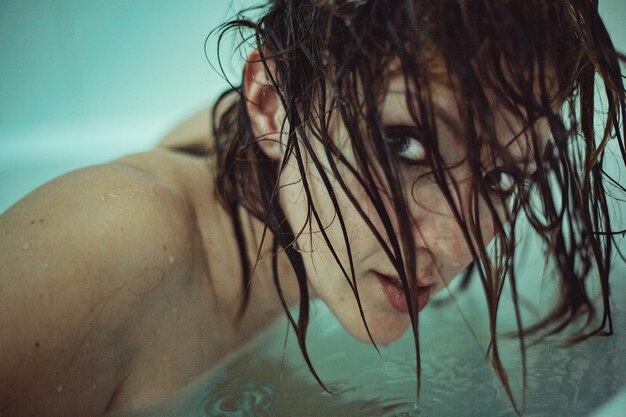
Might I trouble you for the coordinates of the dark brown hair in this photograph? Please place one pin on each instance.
(540, 59)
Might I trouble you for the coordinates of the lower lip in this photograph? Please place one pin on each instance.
(396, 298)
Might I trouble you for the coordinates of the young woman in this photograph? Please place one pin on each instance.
(374, 151)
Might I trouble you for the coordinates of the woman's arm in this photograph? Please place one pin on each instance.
(78, 257)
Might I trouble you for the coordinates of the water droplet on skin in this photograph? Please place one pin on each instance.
(171, 258)
(113, 195)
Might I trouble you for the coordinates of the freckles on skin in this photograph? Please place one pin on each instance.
(435, 223)
(442, 248)
(436, 228)
(445, 244)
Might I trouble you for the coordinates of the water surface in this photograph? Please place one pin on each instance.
(270, 378)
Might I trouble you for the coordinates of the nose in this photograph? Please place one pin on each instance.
(442, 249)
(426, 268)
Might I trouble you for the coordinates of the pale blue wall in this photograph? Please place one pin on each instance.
(85, 81)
(78, 60)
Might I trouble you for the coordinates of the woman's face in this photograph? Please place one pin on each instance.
(441, 249)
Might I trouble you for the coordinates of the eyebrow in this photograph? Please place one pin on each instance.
(438, 111)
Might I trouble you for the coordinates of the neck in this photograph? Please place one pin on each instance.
(264, 304)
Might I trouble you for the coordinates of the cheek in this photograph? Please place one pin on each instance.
(293, 198)
(308, 231)
(444, 238)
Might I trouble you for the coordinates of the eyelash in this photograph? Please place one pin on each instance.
(516, 183)
(395, 138)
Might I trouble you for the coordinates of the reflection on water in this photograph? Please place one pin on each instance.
(271, 379)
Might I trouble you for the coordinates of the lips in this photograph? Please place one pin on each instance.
(394, 293)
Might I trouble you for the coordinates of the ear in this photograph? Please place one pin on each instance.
(264, 107)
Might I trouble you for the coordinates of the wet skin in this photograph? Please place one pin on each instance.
(441, 248)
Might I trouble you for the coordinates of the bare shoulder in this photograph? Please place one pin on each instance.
(110, 203)
(76, 256)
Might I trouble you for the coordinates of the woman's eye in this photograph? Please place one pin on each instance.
(500, 181)
(405, 142)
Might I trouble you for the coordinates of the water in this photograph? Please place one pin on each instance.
(269, 378)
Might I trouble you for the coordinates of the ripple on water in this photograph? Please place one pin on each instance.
(240, 398)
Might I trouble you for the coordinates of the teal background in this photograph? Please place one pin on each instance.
(70, 61)
(85, 81)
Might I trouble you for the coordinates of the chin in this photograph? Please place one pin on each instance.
(383, 331)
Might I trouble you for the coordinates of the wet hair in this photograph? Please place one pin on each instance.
(537, 59)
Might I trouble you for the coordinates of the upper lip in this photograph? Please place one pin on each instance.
(422, 282)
